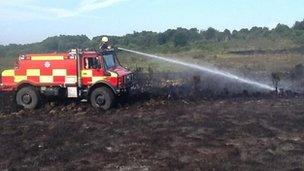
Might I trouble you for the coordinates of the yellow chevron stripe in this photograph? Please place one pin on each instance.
(8, 73)
(86, 73)
(113, 74)
(33, 72)
(96, 79)
(70, 79)
(46, 79)
(20, 78)
(59, 72)
(46, 58)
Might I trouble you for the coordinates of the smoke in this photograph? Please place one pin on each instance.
(214, 71)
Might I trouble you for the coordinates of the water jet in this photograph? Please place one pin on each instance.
(204, 69)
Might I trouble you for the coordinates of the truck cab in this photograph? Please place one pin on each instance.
(100, 71)
(104, 67)
(96, 76)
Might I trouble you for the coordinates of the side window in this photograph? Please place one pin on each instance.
(92, 63)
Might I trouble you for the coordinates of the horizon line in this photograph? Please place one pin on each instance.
(122, 35)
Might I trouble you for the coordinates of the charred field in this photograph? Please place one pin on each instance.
(166, 124)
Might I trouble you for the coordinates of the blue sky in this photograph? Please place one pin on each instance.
(27, 21)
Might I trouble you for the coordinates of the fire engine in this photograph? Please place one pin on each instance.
(95, 76)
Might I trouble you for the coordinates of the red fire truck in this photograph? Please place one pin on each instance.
(96, 76)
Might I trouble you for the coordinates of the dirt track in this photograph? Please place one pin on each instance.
(221, 134)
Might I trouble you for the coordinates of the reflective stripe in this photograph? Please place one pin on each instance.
(33, 72)
(49, 58)
(96, 79)
(59, 72)
(20, 78)
(46, 79)
(113, 74)
(70, 79)
(86, 73)
(8, 73)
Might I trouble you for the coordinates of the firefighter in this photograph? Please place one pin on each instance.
(104, 44)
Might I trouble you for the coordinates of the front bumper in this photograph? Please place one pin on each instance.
(128, 80)
(128, 83)
(122, 91)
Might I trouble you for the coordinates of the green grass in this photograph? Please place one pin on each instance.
(134, 62)
(246, 65)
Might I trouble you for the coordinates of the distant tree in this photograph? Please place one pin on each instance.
(51, 43)
(299, 25)
(162, 38)
(227, 35)
(180, 39)
(234, 33)
(194, 34)
(210, 33)
(243, 34)
(2, 51)
(64, 43)
(258, 32)
(298, 37)
(166, 36)
(282, 28)
(266, 31)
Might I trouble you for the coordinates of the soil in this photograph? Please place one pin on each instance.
(158, 131)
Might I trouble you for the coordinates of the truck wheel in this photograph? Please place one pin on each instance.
(102, 98)
(27, 97)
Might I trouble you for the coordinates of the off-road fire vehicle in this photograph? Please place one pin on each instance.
(95, 76)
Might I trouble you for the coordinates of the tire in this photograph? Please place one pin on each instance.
(102, 98)
(27, 97)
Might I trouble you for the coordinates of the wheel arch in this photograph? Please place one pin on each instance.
(100, 84)
(25, 84)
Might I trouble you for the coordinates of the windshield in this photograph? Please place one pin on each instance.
(109, 61)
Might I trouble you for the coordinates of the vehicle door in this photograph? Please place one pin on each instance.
(92, 70)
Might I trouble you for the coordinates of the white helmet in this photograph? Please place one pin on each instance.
(105, 39)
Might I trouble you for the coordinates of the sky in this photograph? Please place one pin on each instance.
(28, 21)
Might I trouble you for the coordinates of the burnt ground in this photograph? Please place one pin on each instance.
(158, 131)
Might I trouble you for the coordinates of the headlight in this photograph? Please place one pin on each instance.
(128, 78)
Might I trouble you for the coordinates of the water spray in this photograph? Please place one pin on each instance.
(205, 69)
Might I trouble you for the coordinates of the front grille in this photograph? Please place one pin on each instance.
(128, 79)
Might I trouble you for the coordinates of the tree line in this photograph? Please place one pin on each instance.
(174, 40)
